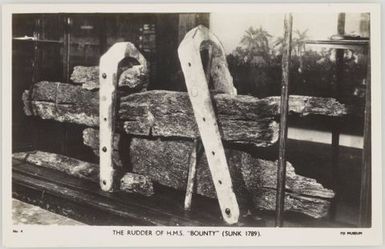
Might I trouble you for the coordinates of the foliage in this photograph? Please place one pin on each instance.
(256, 67)
(256, 43)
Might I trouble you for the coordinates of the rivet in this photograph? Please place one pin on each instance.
(227, 211)
(104, 149)
(104, 75)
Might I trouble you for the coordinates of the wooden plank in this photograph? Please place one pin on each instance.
(281, 171)
(242, 119)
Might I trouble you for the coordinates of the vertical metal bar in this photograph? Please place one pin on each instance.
(66, 74)
(66, 48)
(366, 171)
(36, 51)
(336, 124)
(281, 172)
(36, 76)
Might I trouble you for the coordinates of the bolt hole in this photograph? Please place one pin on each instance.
(105, 119)
(227, 211)
(104, 149)
(104, 75)
(189, 64)
(212, 152)
(104, 182)
(220, 182)
(204, 119)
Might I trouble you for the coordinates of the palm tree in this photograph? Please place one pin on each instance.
(300, 45)
(297, 45)
(256, 41)
(300, 40)
(297, 42)
(278, 44)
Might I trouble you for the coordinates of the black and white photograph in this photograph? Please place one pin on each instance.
(205, 122)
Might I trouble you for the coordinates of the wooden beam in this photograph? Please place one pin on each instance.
(158, 113)
(281, 171)
(166, 162)
(336, 89)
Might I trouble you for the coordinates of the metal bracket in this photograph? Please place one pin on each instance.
(108, 67)
(198, 89)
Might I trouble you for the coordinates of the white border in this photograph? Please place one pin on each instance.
(35, 235)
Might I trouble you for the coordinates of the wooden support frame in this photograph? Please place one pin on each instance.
(198, 89)
(336, 123)
(108, 66)
(281, 172)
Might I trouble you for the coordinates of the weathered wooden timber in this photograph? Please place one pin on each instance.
(166, 161)
(158, 113)
(130, 182)
(133, 77)
(136, 183)
(68, 165)
(62, 102)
